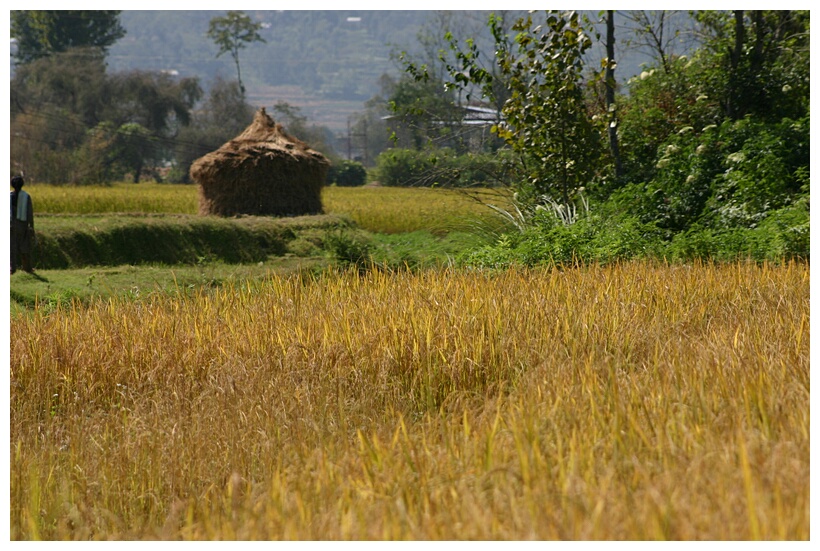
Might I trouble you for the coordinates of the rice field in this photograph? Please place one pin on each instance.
(632, 401)
(386, 210)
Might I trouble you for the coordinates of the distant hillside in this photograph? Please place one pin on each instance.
(327, 63)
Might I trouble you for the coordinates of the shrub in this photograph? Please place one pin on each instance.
(592, 238)
(732, 175)
(404, 167)
(349, 249)
(347, 174)
(782, 235)
(762, 169)
(442, 168)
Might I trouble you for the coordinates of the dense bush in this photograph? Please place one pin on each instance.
(782, 234)
(441, 168)
(606, 237)
(347, 174)
(592, 238)
(722, 176)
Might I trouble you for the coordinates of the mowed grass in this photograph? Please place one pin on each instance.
(375, 209)
(632, 401)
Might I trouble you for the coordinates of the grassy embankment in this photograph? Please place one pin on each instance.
(126, 239)
(632, 401)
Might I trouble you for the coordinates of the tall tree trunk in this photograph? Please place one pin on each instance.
(609, 77)
(235, 54)
(732, 107)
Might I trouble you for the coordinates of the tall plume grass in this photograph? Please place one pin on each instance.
(632, 401)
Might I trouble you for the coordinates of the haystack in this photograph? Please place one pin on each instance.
(263, 171)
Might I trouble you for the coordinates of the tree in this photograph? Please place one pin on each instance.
(425, 111)
(66, 112)
(72, 82)
(157, 101)
(545, 118)
(232, 33)
(609, 80)
(135, 147)
(427, 104)
(652, 34)
(43, 33)
(758, 61)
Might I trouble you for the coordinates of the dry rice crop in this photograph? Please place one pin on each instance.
(379, 209)
(132, 198)
(398, 210)
(632, 401)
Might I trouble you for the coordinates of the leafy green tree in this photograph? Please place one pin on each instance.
(756, 62)
(423, 111)
(58, 99)
(157, 101)
(42, 144)
(73, 82)
(136, 147)
(427, 105)
(233, 33)
(110, 153)
(40, 33)
(545, 118)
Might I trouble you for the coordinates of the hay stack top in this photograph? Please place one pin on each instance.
(263, 171)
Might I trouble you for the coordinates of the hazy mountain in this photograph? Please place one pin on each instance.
(327, 63)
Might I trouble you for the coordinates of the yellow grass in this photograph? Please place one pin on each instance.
(378, 209)
(120, 197)
(397, 210)
(634, 401)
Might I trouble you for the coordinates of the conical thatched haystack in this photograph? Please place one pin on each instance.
(263, 171)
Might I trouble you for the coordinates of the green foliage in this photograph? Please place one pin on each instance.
(424, 111)
(755, 180)
(159, 240)
(545, 120)
(728, 175)
(44, 143)
(73, 123)
(782, 234)
(734, 191)
(40, 33)
(158, 101)
(442, 168)
(71, 82)
(756, 62)
(660, 104)
(592, 238)
(350, 249)
(96, 160)
(347, 174)
(402, 167)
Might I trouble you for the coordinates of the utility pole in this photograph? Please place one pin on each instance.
(351, 135)
(349, 142)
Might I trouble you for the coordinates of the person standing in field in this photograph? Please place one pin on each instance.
(22, 226)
